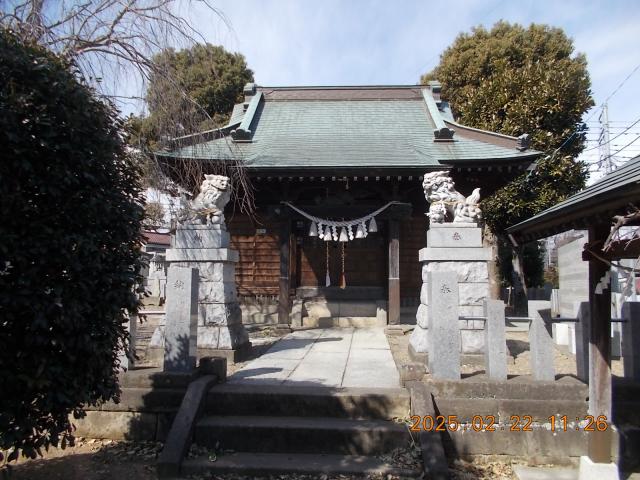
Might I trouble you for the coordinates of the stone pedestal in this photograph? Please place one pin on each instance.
(455, 247)
(220, 328)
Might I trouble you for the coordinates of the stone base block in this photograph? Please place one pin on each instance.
(223, 337)
(464, 254)
(471, 339)
(201, 236)
(419, 339)
(466, 271)
(417, 356)
(220, 314)
(422, 316)
(155, 355)
(195, 255)
(476, 360)
(597, 471)
(231, 355)
(473, 293)
(214, 271)
(454, 237)
(217, 292)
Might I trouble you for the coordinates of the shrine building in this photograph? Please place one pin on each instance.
(340, 209)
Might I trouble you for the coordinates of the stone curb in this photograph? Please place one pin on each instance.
(179, 437)
(433, 454)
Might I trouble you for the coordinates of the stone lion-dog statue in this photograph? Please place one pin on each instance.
(208, 206)
(445, 202)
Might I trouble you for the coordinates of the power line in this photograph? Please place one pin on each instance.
(611, 95)
(622, 83)
(627, 145)
(613, 138)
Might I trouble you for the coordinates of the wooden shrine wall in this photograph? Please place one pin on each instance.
(258, 271)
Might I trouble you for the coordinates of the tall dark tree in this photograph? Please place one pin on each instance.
(516, 80)
(70, 219)
(195, 91)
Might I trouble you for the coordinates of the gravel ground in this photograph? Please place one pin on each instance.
(518, 344)
(109, 460)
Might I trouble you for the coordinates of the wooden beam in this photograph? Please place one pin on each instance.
(599, 351)
(393, 309)
(284, 307)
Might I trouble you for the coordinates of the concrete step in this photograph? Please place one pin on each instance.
(343, 322)
(145, 399)
(381, 403)
(263, 464)
(301, 435)
(502, 409)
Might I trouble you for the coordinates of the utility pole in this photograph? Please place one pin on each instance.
(603, 141)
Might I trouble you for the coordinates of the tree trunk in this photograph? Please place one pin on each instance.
(519, 282)
(489, 240)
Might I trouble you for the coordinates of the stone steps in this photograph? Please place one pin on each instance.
(306, 430)
(381, 403)
(301, 434)
(280, 463)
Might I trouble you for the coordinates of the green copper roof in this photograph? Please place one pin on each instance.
(329, 127)
(609, 195)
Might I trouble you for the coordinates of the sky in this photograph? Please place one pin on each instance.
(393, 42)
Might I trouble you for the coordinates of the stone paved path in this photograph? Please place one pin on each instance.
(332, 357)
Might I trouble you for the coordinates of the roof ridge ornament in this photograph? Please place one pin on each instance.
(524, 142)
(442, 133)
(243, 133)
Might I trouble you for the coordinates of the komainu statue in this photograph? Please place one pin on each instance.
(445, 202)
(208, 207)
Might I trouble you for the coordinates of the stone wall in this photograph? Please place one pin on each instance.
(573, 276)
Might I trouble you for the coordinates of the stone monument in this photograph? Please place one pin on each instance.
(180, 334)
(201, 241)
(454, 244)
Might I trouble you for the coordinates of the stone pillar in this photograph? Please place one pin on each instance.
(455, 247)
(206, 247)
(495, 340)
(444, 336)
(182, 320)
(631, 339)
(540, 341)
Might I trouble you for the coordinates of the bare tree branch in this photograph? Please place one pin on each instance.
(114, 43)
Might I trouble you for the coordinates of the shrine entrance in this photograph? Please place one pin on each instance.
(360, 261)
